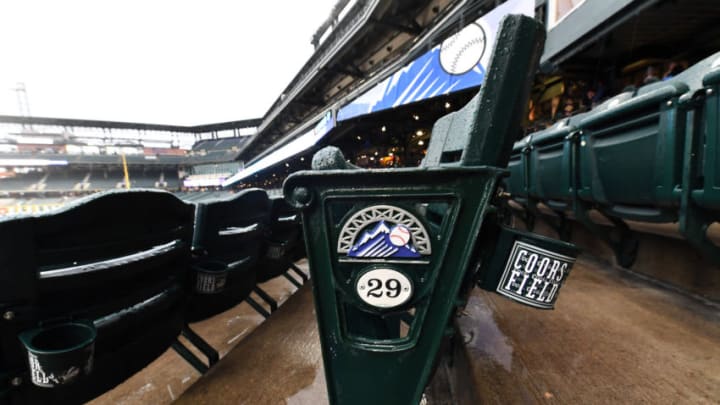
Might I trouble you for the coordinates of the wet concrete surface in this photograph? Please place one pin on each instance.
(613, 338)
(164, 380)
(279, 363)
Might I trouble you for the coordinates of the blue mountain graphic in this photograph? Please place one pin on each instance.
(376, 243)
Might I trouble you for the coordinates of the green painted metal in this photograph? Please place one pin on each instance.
(700, 193)
(709, 128)
(631, 154)
(517, 183)
(380, 349)
(650, 155)
(550, 160)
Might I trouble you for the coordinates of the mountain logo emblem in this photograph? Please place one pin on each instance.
(383, 241)
(384, 232)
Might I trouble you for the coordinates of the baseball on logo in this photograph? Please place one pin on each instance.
(399, 235)
(463, 51)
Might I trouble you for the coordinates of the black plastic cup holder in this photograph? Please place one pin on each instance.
(59, 354)
(210, 277)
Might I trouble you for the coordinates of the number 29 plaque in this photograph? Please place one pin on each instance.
(384, 288)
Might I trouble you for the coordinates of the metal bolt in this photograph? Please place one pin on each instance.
(669, 103)
(582, 143)
(709, 92)
(302, 195)
(16, 381)
(9, 315)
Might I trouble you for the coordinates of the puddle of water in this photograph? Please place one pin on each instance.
(483, 335)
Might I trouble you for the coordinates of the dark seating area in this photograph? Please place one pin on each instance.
(21, 181)
(646, 155)
(92, 277)
(95, 291)
(216, 150)
(65, 180)
(74, 179)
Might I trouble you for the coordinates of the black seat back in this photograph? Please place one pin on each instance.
(284, 240)
(226, 244)
(118, 260)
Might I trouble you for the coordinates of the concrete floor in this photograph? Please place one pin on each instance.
(164, 380)
(613, 338)
(279, 363)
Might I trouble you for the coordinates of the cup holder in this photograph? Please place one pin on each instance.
(59, 354)
(528, 268)
(210, 277)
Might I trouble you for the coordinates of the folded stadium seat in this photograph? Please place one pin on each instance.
(701, 182)
(552, 154)
(630, 154)
(90, 294)
(516, 183)
(226, 244)
(706, 181)
(284, 242)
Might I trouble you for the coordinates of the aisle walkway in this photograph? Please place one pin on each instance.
(612, 339)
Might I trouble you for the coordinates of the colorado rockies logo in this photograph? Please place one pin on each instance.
(383, 232)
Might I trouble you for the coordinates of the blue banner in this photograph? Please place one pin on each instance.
(458, 63)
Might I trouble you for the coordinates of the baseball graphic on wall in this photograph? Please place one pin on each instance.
(463, 51)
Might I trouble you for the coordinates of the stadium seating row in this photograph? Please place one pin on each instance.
(89, 180)
(94, 292)
(648, 155)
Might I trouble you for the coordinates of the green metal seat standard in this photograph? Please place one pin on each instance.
(227, 241)
(517, 183)
(391, 250)
(90, 294)
(706, 192)
(701, 167)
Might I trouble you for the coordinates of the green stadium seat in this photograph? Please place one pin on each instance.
(517, 183)
(284, 240)
(551, 164)
(630, 155)
(229, 235)
(700, 193)
(706, 182)
(114, 262)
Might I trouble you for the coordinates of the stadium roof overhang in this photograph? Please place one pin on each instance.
(420, 73)
(360, 50)
(69, 122)
(627, 30)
